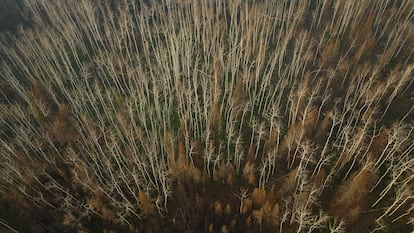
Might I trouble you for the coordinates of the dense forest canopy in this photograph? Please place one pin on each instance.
(206, 116)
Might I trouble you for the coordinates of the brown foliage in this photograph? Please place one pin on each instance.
(63, 126)
(349, 198)
(378, 144)
(248, 173)
(233, 223)
(224, 229)
(216, 121)
(27, 176)
(129, 157)
(365, 48)
(288, 183)
(98, 201)
(218, 208)
(251, 154)
(198, 154)
(238, 97)
(42, 94)
(186, 173)
(272, 140)
(259, 196)
(267, 214)
(247, 205)
(146, 206)
(310, 121)
(181, 151)
(319, 178)
(271, 197)
(180, 168)
(409, 43)
(291, 138)
(323, 126)
(227, 209)
(303, 90)
(361, 33)
(330, 53)
(225, 174)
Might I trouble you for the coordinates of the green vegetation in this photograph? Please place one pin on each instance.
(208, 116)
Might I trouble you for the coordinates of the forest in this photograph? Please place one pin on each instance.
(206, 116)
